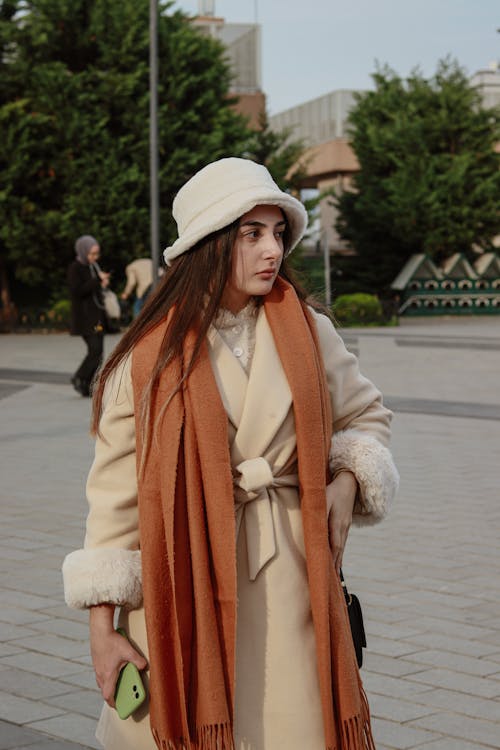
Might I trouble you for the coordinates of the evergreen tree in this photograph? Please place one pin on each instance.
(429, 176)
(74, 129)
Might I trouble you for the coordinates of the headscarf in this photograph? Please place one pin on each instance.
(83, 246)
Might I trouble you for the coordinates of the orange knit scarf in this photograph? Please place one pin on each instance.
(187, 529)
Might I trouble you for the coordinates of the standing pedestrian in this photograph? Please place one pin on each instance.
(88, 319)
(139, 281)
(220, 503)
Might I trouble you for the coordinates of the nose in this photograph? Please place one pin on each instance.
(273, 248)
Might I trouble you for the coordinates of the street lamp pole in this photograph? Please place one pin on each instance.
(153, 138)
(326, 258)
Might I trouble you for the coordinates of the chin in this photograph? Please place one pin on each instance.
(262, 288)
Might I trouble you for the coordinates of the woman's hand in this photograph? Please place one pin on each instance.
(341, 495)
(110, 651)
(105, 277)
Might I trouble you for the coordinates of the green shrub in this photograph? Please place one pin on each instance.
(60, 313)
(358, 310)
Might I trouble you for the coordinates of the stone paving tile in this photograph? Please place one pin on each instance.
(394, 709)
(392, 686)
(54, 645)
(16, 554)
(388, 665)
(451, 744)
(398, 631)
(456, 645)
(462, 727)
(64, 613)
(456, 662)
(400, 736)
(9, 631)
(24, 601)
(86, 702)
(50, 744)
(84, 679)
(70, 726)
(464, 683)
(389, 647)
(49, 666)
(9, 649)
(8, 389)
(64, 627)
(20, 616)
(30, 685)
(12, 736)
(22, 710)
(477, 708)
(447, 627)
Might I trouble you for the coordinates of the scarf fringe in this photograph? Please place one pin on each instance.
(357, 731)
(209, 737)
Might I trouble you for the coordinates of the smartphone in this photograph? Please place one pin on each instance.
(129, 692)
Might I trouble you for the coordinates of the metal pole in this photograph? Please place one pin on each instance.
(326, 256)
(153, 138)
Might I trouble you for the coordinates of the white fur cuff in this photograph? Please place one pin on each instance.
(102, 575)
(372, 465)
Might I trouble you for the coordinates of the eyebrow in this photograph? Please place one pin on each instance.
(262, 224)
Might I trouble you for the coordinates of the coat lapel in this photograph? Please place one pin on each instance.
(268, 397)
(229, 375)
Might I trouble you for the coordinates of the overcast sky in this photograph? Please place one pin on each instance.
(312, 47)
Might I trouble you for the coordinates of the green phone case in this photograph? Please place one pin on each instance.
(129, 692)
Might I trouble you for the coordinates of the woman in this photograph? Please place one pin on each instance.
(88, 320)
(226, 390)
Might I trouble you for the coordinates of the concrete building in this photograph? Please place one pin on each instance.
(488, 83)
(322, 124)
(242, 42)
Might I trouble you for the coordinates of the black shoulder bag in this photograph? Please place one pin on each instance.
(355, 621)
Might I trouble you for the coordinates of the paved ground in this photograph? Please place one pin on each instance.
(428, 578)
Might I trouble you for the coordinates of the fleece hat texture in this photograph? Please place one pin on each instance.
(220, 193)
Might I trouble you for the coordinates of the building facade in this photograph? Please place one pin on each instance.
(242, 42)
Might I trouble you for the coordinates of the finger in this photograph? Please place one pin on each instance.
(338, 549)
(139, 661)
(109, 689)
(135, 657)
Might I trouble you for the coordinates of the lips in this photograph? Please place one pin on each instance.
(267, 274)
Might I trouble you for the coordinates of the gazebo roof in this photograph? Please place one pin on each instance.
(458, 267)
(419, 267)
(488, 266)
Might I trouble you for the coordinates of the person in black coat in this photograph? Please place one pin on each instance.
(88, 319)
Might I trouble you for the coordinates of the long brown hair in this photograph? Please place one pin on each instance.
(191, 290)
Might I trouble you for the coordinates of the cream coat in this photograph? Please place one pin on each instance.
(276, 680)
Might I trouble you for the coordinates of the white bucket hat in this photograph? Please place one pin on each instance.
(220, 193)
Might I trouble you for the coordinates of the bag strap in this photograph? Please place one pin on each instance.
(347, 595)
(94, 270)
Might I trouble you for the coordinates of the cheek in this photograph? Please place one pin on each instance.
(238, 267)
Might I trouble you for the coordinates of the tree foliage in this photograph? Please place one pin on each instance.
(429, 176)
(74, 127)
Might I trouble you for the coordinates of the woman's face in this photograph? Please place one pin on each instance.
(257, 256)
(93, 254)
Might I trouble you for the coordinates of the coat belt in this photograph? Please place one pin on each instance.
(253, 480)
